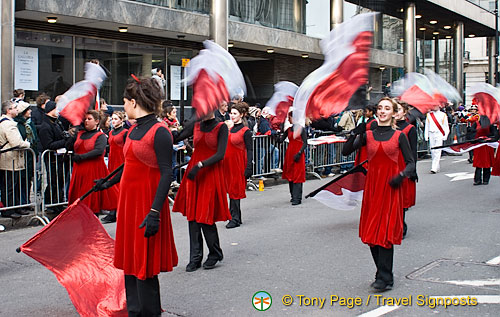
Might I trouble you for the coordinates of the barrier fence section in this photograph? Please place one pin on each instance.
(20, 184)
(56, 172)
(327, 155)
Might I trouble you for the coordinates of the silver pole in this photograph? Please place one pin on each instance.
(218, 22)
(336, 13)
(458, 43)
(491, 61)
(7, 57)
(410, 38)
(436, 54)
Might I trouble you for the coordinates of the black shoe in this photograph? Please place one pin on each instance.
(210, 263)
(109, 218)
(477, 183)
(469, 160)
(295, 203)
(23, 212)
(382, 286)
(13, 215)
(232, 224)
(193, 266)
(486, 183)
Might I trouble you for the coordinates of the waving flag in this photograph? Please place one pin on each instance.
(463, 147)
(487, 99)
(417, 90)
(442, 88)
(282, 99)
(215, 77)
(78, 250)
(75, 102)
(345, 191)
(327, 90)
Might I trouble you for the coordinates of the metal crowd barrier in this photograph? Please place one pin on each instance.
(327, 155)
(56, 173)
(19, 189)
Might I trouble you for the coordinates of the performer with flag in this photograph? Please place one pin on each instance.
(89, 146)
(294, 167)
(436, 131)
(484, 156)
(144, 244)
(238, 161)
(409, 186)
(381, 221)
(116, 141)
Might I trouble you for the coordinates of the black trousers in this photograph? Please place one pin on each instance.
(405, 227)
(295, 191)
(143, 296)
(10, 190)
(234, 208)
(482, 175)
(383, 259)
(196, 241)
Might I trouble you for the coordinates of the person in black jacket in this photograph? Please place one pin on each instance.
(39, 112)
(53, 137)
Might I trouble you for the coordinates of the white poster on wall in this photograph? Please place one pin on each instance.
(26, 68)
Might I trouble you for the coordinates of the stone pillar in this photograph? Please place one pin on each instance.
(298, 16)
(378, 32)
(7, 49)
(218, 22)
(436, 54)
(336, 13)
(410, 44)
(458, 49)
(147, 65)
(491, 61)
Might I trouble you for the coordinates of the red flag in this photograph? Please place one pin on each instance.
(282, 100)
(345, 191)
(467, 146)
(487, 105)
(78, 250)
(208, 94)
(419, 99)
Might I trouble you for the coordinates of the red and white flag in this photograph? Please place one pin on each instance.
(215, 77)
(344, 192)
(487, 99)
(417, 90)
(465, 147)
(327, 90)
(78, 250)
(74, 103)
(282, 99)
(326, 139)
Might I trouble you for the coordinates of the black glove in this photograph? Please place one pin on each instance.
(296, 157)
(396, 181)
(360, 129)
(414, 177)
(77, 158)
(152, 223)
(101, 184)
(248, 173)
(192, 173)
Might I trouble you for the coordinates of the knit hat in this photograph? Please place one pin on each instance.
(49, 106)
(22, 106)
(252, 111)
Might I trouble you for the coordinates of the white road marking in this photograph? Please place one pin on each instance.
(494, 261)
(379, 311)
(460, 176)
(488, 282)
(459, 160)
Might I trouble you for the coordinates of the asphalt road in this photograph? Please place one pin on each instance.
(313, 251)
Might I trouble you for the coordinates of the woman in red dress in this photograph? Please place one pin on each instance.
(483, 156)
(144, 244)
(88, 165)
(237, 165)
(202, 195)
(409, 184)
(116, 141)
(294, 167)
(381, 221)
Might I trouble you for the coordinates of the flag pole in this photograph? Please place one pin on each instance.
(113, 173)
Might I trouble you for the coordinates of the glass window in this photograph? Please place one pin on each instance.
(177, 88)
(54, 62)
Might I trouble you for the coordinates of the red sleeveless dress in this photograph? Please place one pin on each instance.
(204, 199)
(235, 163)
(409, 187)
(85, 172)
(361, 155)
(294, 172)
(116, 143)
(135, 254)
(484, 156)
(381, 221)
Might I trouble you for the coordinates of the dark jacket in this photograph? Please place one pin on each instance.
(37, 116)
(33, 135)
(51, 133)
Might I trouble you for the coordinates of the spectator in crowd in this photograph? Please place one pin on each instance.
(18, 95)
(53, 137)
(28, 133)
(266, 146)
(472, 118)
(105, 107)
(253, 114)
(104, 122)
(347, 121)
(11, 162)
(39, 112)
(222, 114)
(157, 74)
(169, 115)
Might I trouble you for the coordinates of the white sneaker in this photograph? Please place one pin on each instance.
(2, 228)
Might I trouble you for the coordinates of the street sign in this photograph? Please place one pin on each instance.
(185, 62)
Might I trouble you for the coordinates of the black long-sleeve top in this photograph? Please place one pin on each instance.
(381, 134)
(207, 126)
(163, 148)
(247, 137)
(412, 136)
(51, 134)
(303, 135)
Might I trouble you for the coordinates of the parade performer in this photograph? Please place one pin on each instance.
(436, 131)
(495, 171)
(88, 165)
(484, 156)
(381, 221)
(238, 161)
(202, 195)
(116, 141)
(144, 238)
(294, 167)
(409, 186)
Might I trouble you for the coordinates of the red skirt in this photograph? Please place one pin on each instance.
(235, 163)
(409, 188)
(484, 157)
(82, 180)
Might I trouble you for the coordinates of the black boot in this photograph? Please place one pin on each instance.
(385, 278)
(195, 246)
(234, 208)
(214, 251)
(290, 187)
(297, 194)
(405, 227)
(486, 175)
(109, 218)
(478, 176)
